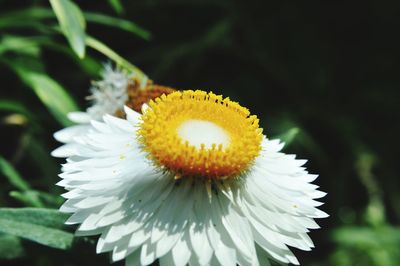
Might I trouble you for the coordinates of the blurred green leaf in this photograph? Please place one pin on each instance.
(33, 198)
(118, 23)
(10, 247)
(38, 216)
(14, 106)
(32, 17)
(366, 246)
(20, 45)
(50, 199)
(72, 24)
(49, 91)
(25, 15)
(39, 153)
(39, 225)
(117, 6)
(90, 65)
(289, 136)
(29, 198)
(46, 236)
(12, 175)
(28, 17)
(366, 236)
(107, 51)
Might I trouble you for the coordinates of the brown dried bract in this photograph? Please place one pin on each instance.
(139, 96)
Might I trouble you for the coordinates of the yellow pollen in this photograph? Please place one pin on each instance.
(200, 134)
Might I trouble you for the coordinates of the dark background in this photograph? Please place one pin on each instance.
(328, 70)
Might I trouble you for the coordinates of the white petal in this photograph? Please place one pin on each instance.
(145, 106)
(148, 253)
(222, 243)
(225, 255)
(131, 115)
(67, 134)
(240, 232)
(181, 252)
(79, 117)
(174, 228)
(64, 151)
(118, 123)
(198, 230)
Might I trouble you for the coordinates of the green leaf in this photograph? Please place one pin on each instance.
(29, 198)
(118, 23)
(107, 51)
(289, 135)
(49, 91)
(14, 106)
(38, 151)
(52, 94)
(19, 45)
(116, 5)
(38, 216)
(46, 236)
(72, 23)
(27, 15)
(90, 65)
(10, 247)
(367, 236)
(12, 175)
(38, 225)
(50, 199)
(34, 198)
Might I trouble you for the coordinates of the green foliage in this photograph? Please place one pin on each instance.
(120, 61)
(28, 33)
(72, 23)
(39, 225)
(10, 247)
(123, 24)
(375, 246)
(44, 217)
(289, 136)
(41, 234)
(49, 91)
(19, 44)
(117, 6)
(13, 106)
(12, 175)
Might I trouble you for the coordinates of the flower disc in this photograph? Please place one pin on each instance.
(195, 133)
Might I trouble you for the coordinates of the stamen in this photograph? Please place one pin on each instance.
(195, 133)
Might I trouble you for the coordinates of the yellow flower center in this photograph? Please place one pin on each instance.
(200, 134)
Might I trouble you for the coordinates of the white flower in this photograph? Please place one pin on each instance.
(191, 181)
(108, 95)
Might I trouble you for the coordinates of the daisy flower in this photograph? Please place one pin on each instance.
(191, 180)
(109, 95)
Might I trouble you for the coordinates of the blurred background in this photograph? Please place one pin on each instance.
(323, 77)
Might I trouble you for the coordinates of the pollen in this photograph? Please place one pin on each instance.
(200, 134)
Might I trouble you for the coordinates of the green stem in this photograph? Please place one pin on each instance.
(121, 62)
